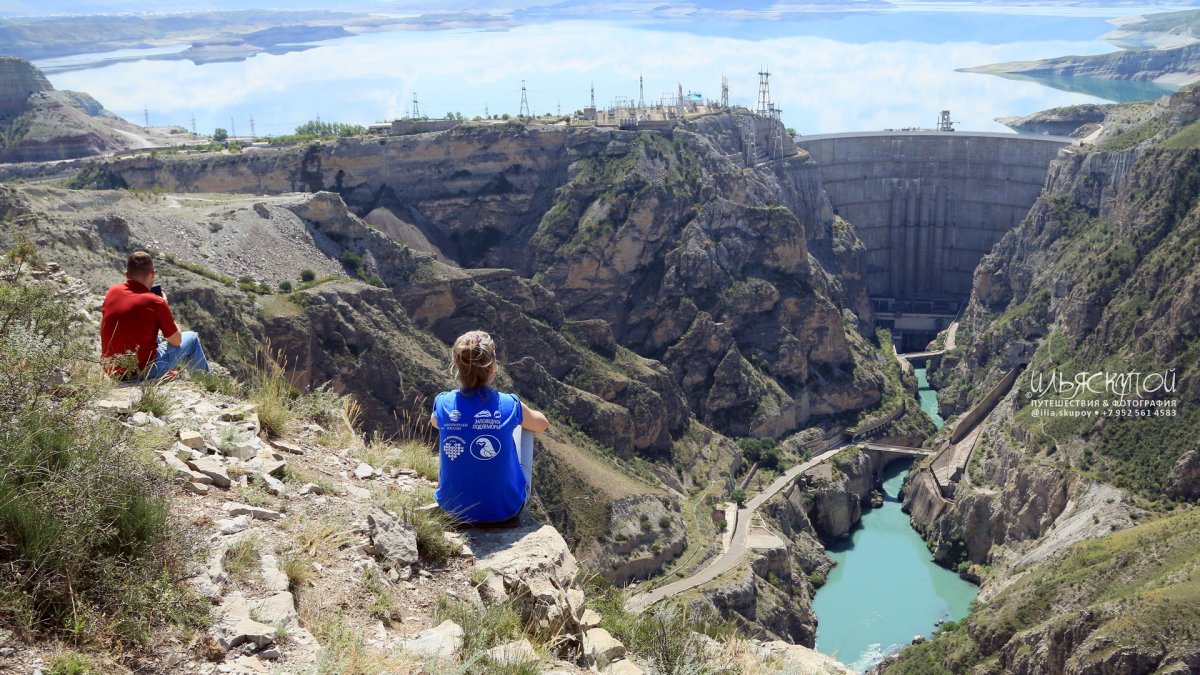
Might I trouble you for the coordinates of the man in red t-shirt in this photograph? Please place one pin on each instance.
(134, 315)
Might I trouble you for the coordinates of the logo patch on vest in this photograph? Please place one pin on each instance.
(486, 420)
(485, 447)
(453, 447)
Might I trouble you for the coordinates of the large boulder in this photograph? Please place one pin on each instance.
(532, 567)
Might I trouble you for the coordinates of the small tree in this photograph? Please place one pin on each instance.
(220, 135)
(738, 496)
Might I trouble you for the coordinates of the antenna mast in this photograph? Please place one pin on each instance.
(524, 102)
(764, 92)
(776, 133)
(724, 93)
(748, 134)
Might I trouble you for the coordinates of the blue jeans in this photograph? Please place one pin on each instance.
(189, 353)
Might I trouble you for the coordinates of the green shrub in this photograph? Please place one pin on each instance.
(285, 286)
(71, 663)
(352, 260)
(307, 275)
(87, 546)
(156, 400)
(273, 394)
(214, 383)
(429, 525)
(663, 635)
(495, 625)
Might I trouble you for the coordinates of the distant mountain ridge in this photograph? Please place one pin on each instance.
(40, 123)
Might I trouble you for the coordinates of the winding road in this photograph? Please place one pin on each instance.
(726, 561)
(737, 544)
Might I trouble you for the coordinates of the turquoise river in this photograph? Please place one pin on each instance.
(886, 589)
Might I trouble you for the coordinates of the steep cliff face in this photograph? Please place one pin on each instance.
(774, 595)
(766, 606)
(1119, 603)
(1008, 498)
(39, 123)
(688, 258)
(828, 500)
(1099, 278)
(385, 345)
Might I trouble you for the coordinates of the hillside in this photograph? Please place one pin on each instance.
(211, 525)
(658, 300)
(39, 123)
(1079, 526)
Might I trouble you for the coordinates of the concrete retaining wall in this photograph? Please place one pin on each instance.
(928, 205)
(980, 410)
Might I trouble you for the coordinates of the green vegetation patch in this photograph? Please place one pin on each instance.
(1140, 586)
(1134, 135)
(668, 637)
(87, 546)
(1187, 137)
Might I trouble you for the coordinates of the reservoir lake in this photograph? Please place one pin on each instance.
(831, 71)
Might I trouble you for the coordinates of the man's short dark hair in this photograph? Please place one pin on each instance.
(139, 264)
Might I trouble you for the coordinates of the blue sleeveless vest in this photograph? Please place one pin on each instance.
(480, 477)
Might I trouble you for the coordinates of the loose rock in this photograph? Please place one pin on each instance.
(441, 641)
(214, 469)
(393, 539)
(512, 653)
(191, 438)
(235, 509)
(601, 648)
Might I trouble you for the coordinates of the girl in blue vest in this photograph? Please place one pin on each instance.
(485, 470)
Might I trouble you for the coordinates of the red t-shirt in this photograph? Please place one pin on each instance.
(131, 320)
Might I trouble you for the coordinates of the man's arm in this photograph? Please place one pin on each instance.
(166, 323)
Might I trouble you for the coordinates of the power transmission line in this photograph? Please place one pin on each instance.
(524, 102)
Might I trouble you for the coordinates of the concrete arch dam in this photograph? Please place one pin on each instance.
(928, 205)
